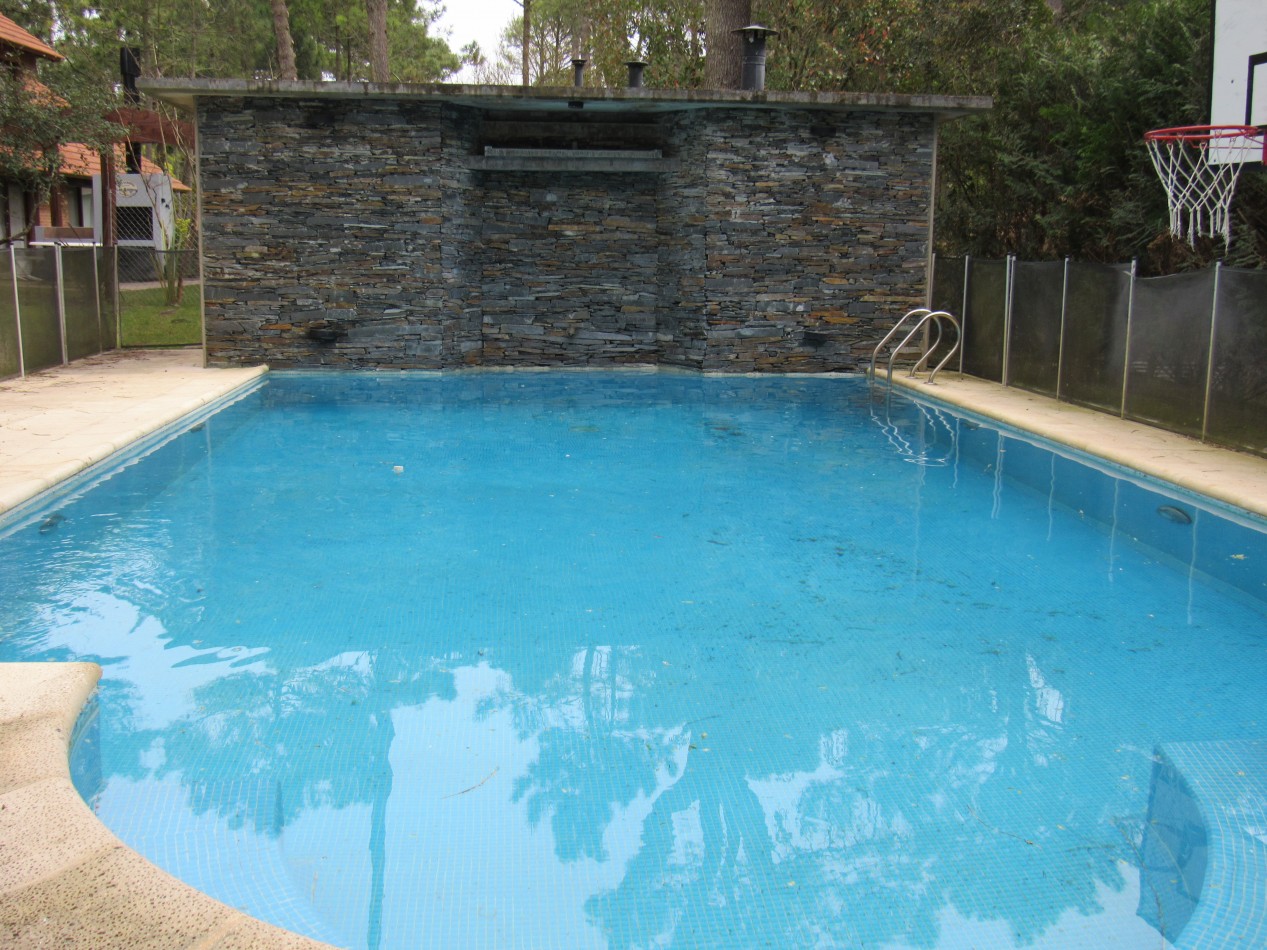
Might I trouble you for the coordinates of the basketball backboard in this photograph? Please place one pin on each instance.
(1238, 91)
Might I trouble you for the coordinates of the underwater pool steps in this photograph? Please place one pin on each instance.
(1205, 844)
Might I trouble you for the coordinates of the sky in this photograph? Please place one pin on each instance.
(478, 20)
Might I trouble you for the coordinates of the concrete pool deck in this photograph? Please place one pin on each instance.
(66, 880)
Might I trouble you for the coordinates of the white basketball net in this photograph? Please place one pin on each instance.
(1199, 171)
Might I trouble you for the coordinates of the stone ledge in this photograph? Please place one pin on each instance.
(571, 160)
(65, 880)
(59, 422)
(602, 160)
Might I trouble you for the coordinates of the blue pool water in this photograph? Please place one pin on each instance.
(588, 660)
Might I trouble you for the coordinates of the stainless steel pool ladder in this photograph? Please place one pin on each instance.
(922, 317)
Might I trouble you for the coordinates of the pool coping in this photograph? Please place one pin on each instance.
(57, 423)
(67, 881)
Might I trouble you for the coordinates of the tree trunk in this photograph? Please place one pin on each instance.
(376, 11)
(723, 65)
(285, 45)
(527, 23)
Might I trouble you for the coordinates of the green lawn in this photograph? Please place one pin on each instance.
(146, 320)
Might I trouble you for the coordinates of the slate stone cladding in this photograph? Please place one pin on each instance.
(360, 233)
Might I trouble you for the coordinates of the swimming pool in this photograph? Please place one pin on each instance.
(620, 660)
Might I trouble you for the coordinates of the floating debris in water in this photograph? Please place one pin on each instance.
(51, 523)
(398, 469)
(1177, 515)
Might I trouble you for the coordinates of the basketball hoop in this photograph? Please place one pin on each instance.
(1199, 166)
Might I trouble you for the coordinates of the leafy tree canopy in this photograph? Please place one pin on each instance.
(59, 103)
(1057, 168)
(234, 38)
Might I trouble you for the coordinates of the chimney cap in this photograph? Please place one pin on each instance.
(755, 30)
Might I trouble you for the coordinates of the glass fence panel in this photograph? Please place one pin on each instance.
(10, 364)
(107, 296)
(1095, 335)
(1170, 346)
(983, 322)
(37, 305)
(1238, 396)
(1034, 343)
(947, 291)
(79, 293)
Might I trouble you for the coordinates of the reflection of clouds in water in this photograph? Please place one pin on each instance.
(1047, 699)
(134, 648)
(1115, 925)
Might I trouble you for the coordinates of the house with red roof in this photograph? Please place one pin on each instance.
(141, 199)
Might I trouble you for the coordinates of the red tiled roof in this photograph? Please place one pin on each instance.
(79, 161)
(13, 35)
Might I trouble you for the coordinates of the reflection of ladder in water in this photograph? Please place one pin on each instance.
(917, 319)
(933, 422)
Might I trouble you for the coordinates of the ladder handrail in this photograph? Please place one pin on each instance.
(922, 311)
(924, 316)
(953, 350)
(937, 316)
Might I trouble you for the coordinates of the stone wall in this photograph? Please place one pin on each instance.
(567, 267)
(365, 233)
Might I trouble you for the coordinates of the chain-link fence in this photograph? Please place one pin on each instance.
(145, 265)
(1182, 352)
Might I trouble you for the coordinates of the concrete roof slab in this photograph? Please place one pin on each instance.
(184, 92)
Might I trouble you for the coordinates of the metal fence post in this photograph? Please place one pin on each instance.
(1126, 356)
(1060, 347)
(930, 287)
(963, 318)
(1209, 357)
(1009, 279)
(59, 293)
(17, 308)
(96, 299)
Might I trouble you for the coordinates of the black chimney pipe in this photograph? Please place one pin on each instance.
(635, 67)
(754, 40)
(130, 69)
(578, 71)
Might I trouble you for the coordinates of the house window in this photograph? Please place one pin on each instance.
(79, 206)
(14, 210)
(134, 224)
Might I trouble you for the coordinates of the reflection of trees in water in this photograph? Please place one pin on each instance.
(836, 820)
(595, 754)
(850, 825)
(266, 725)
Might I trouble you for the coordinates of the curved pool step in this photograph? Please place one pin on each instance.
(1205, 845)
(65, 880)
